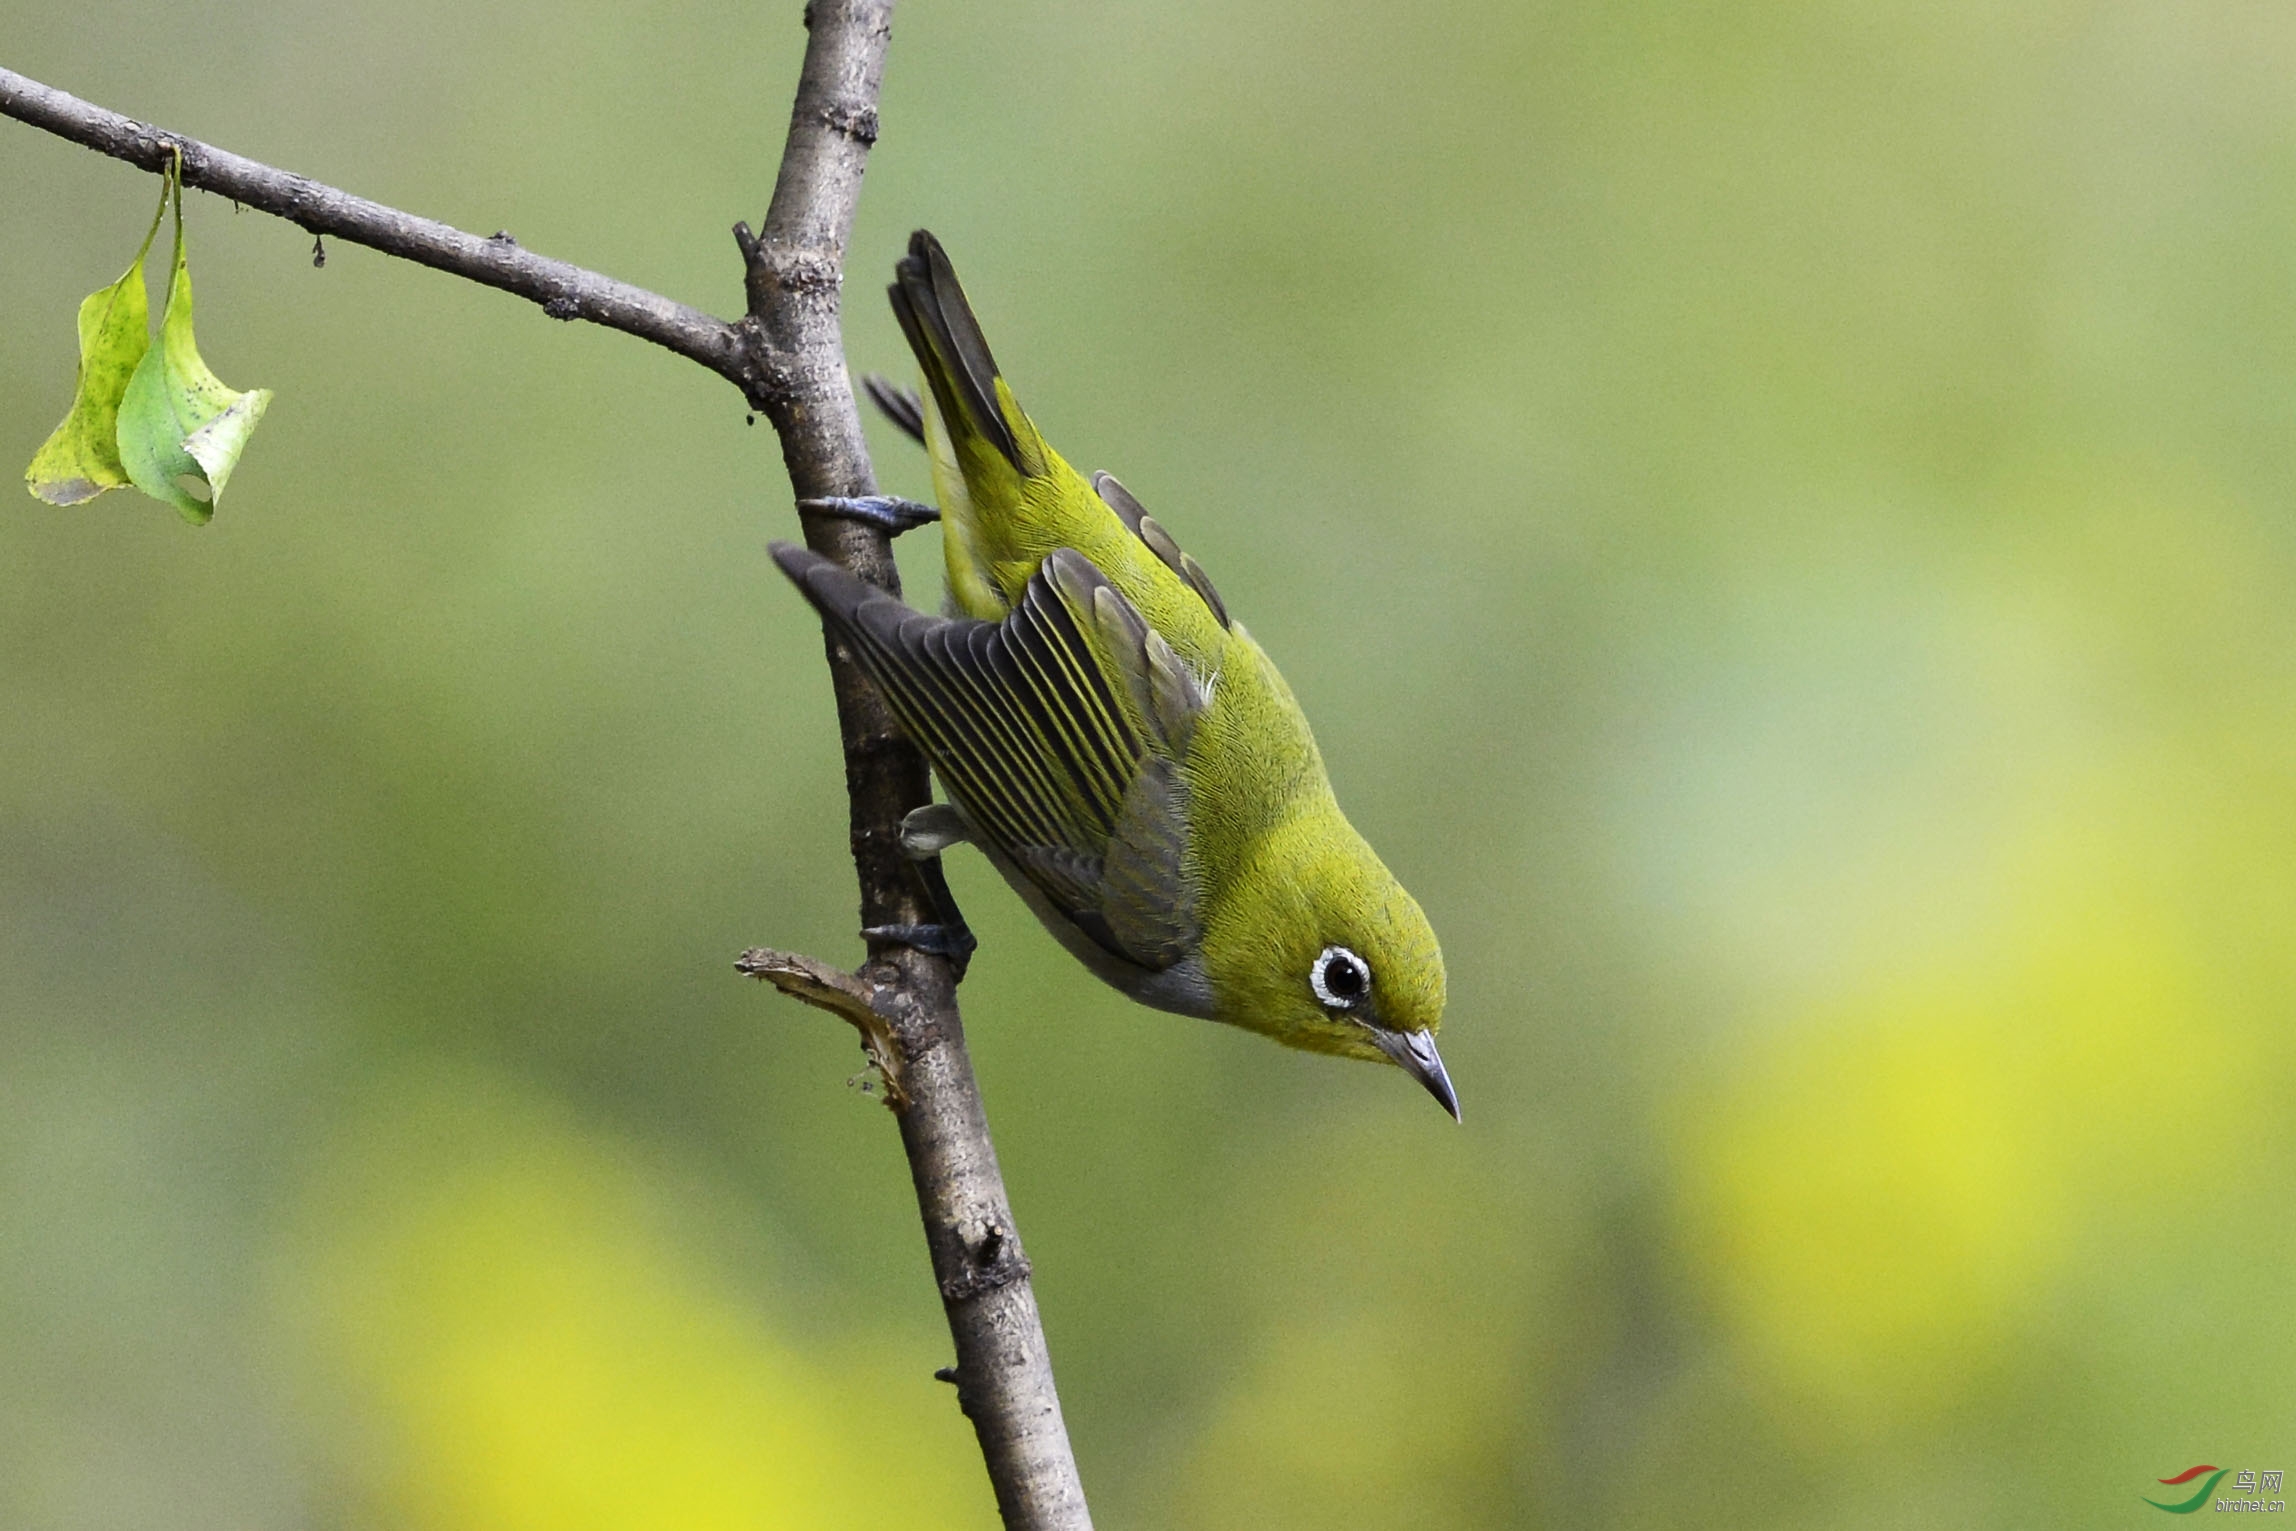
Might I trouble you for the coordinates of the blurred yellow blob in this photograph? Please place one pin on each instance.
(511, 1338)
(1882, 1193)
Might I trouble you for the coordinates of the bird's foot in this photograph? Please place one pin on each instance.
(890, 513)
(953, 941)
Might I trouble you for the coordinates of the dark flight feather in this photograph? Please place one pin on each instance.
(1060, 732)
(900, 405)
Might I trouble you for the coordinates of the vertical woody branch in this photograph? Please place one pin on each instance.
(796, 264)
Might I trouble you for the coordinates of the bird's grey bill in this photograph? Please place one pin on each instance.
(1415, 1052)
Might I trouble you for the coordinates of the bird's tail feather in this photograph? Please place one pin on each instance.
(973, 397)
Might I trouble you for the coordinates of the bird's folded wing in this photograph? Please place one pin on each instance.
(1060, 731)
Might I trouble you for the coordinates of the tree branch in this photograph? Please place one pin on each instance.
(787, 357)
(796, 264)
(564, 291)
(848, 996)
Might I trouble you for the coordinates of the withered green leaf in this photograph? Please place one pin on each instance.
(181, 430)
(82, 458)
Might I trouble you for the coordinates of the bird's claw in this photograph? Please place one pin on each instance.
(955, 942)
(889, 513)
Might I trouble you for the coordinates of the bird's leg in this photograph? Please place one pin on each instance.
(925, 833)
(932, 829)
(891, 513)
(947, 936)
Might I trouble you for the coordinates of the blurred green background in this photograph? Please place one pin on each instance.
(1780, 515)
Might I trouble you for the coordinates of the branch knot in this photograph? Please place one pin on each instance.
(857, 121)
(993, 1263)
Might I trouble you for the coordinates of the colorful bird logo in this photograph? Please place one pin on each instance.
(2197, 1500)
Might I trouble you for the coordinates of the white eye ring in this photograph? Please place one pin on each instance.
(1352, 972)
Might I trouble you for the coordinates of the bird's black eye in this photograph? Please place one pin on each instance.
(1340, 978)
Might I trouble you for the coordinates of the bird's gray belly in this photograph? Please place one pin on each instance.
(1183, 988)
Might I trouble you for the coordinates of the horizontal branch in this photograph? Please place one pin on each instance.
(564, 291)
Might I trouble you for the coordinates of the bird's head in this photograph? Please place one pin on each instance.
(1318, 946)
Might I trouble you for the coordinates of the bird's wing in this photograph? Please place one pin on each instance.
(1060, 731)
(1159, 541)
(905, 407)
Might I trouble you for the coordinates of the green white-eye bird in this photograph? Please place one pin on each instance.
(1121, 749)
